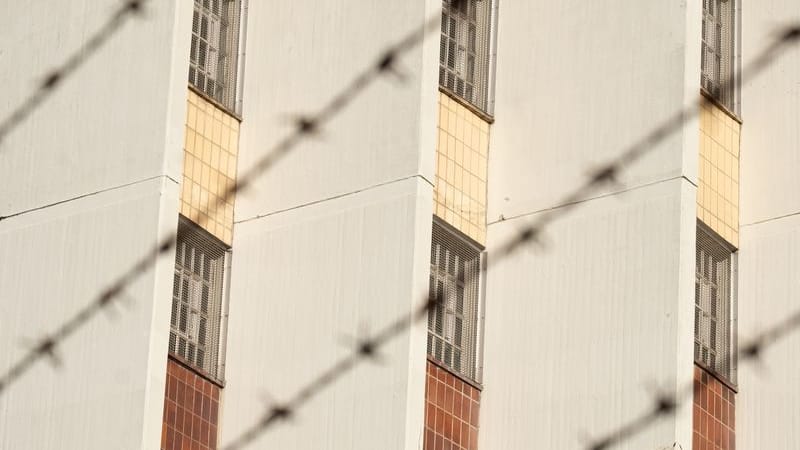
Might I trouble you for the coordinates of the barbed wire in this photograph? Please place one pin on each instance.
(309, 125)
(57, 76)
(531, 233)
(305, 127)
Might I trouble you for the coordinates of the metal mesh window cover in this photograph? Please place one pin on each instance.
(715, 306)
(464, 50)
(453, 324)
(214, 49)
(718, 53)
(197, 299)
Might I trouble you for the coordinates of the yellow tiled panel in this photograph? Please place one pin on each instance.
(718, 172)
(462, 153)
(209, 167)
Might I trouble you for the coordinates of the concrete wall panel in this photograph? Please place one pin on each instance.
(766, 405)
(117, 119)
(305, 285)
(576, 83)
(300, 54)
(108, 390)
(580, 331)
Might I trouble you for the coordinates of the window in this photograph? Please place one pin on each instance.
(719, 54)
(464, 50)
(715, 306)
(215, 44)
(453, 323)
(197, 297)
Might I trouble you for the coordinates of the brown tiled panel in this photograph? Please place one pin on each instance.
(451, 411)
(191, 408)
(714, 421)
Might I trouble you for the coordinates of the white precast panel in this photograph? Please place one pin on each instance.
(305, 286)
(769, 158)
(766, 405)
(576, 82)
(580, 331)
(302, 53)
(107, 391)
(112, 120)
(769, 258)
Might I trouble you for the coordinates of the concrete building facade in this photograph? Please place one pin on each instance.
(409, 192)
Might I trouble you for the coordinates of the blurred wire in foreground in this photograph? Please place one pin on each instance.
(57, 76)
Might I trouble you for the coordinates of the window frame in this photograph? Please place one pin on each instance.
(728, 96)
(231, 41)
(732, 311)
(484, 56)
(215, 370)
(471, 366)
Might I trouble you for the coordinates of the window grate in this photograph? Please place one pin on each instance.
(214, 49)
(453, 322)
(718, 51)
(464, 50)
(197, 296)
(715, 306)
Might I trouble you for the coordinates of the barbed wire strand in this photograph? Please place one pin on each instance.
(59, 75)
(305, 127)
(608, 173)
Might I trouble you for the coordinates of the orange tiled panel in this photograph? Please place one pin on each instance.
(191, 410)
(718, 172)
(451, 411)
(714, 421)
(462, 152)
(209, 166)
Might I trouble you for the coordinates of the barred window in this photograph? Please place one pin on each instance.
(453, 324)
(197, 297)
(464, 50)
(715, 306)
(719, 53)
(214, 50)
